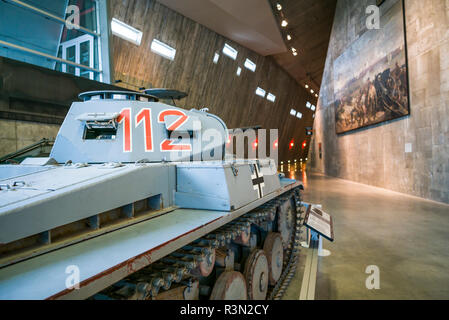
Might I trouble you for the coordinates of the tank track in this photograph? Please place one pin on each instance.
(180, 267)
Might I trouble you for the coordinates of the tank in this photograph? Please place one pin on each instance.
(140, 200)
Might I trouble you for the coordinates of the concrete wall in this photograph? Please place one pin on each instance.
(16, 135)
(215, 86)
(376, 155)
(34, 102)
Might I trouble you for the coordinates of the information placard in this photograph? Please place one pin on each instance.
(320, 222)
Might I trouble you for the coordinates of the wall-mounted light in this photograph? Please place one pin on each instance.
(239, 71)
(230, 51)
(126, 32)
(261, 92)
(163, 49)
(255, 145)
(292, 144)
(250, 65)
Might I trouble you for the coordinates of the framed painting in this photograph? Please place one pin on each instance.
(371, 77)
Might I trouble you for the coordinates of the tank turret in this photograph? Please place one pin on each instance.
(127, 127)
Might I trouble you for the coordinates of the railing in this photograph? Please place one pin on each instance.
(41, 148)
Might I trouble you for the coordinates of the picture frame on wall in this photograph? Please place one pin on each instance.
(371, 84)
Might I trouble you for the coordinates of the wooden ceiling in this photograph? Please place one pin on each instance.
(310, 25)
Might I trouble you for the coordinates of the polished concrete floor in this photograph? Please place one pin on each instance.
(405, 237)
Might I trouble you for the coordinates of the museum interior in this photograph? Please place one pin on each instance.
(224, 150)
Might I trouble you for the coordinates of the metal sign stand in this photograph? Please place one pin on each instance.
(314, 242)
(310, 270)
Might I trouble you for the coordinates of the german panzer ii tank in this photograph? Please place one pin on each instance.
(138, 201)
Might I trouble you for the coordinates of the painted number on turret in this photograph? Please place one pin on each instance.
(125, 117)
(144, 117)
(169, 144)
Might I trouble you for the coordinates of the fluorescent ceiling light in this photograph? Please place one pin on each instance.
(313, 108)
(216, 58)
(293, 112)
(271, 97)
(308, 105)
(239, 71)
(163, 49)
(230, 51)
(261, 92)
(299, 115)
(126, 32)
(250, 65)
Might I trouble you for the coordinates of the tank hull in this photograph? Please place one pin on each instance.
(104, 260)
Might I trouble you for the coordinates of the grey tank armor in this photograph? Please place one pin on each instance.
(130, 181)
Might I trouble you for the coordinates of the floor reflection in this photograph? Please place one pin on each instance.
(296, 173)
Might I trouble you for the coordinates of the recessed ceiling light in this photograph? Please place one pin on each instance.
(316, 95)
(279, 6)
(311, 91)
(284, 23)
(295, 53)
(289, 37)
(307, 86)
(271, 97)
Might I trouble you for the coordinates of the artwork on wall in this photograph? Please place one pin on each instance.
(371, 76)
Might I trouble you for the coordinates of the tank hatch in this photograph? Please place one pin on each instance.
(167, 95)
(117, 95)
